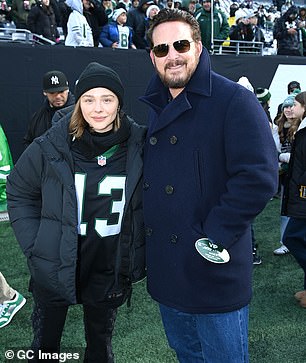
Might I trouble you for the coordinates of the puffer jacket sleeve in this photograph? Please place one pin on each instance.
(24, 197)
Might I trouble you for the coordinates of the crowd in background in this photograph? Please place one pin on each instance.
(279, 25)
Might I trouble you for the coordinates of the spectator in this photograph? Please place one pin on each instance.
(287, 126)
(295, 195)
(135, 18)
(207, 187)
(79, 33)
(302, 25)
(117, 34)
(258, 35)
(58, 96)
(221, 26)
(11, 301)
(75, 202)
(292, 86)
(264, 96)
(242, 30)
(20, 11)
(287, 33)
(96, 18)
(109, 9)
(41, 20)
(144, 26)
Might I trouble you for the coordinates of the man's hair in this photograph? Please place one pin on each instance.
(167, 15)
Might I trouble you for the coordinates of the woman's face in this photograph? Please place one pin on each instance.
(99, 107)
(298, 110)
(288, 112)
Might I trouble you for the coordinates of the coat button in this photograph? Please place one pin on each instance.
(173, 140)
(149, 232)
(169, 189)
(153, 140)
(146, 186)
(173, 238)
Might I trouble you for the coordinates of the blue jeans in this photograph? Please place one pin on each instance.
(209, 338)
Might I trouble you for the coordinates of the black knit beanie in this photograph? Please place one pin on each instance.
(96, 75)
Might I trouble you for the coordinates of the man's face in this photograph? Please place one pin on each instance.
(207, 5)
(57, 99)
(175, 69)
(86, 4)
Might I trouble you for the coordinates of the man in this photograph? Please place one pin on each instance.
(287, 33)
(56, 90)
(210, 168)
(220, 24)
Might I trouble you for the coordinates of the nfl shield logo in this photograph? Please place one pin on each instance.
(101, 160)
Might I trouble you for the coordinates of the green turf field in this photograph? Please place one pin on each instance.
(277, 323)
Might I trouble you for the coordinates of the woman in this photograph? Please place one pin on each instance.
(295, 195)
(41, 21)
(75, 206)
(287, 126)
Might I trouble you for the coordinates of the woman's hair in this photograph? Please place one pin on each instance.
(78, 124)
(167, 15)
(301, 98)
(291, 130)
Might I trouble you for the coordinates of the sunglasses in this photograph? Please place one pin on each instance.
(181, 46)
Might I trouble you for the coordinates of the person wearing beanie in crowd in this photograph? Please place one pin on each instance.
(136, 17)
(56, 90)
(141, 31)
(287, 33)
(287, 125)
(75, 204)
(292, 87)
(263, 95)
(117, 34)
(295, 195)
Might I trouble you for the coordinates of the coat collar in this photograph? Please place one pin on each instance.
(157, 95)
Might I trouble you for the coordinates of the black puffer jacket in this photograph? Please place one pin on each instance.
(43, 212)
(41, 20)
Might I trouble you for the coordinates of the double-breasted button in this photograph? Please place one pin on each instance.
(153, 140)
(173, 238)
(149, 231)
(146, 186)
(169, 189)
(173, 140)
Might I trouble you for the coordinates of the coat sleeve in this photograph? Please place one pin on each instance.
(24, 197)
(251, 167)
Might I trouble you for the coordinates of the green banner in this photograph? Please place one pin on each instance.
(6, 165)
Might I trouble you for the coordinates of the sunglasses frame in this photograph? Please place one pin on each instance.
(176, 45)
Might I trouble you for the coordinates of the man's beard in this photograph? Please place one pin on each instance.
(178, 81)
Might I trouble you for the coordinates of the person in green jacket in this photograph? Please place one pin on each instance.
(220, 25)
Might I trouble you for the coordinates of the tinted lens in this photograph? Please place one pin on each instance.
(182, 46)
(161, 50)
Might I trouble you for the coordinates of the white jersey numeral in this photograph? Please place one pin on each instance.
(105, 188)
